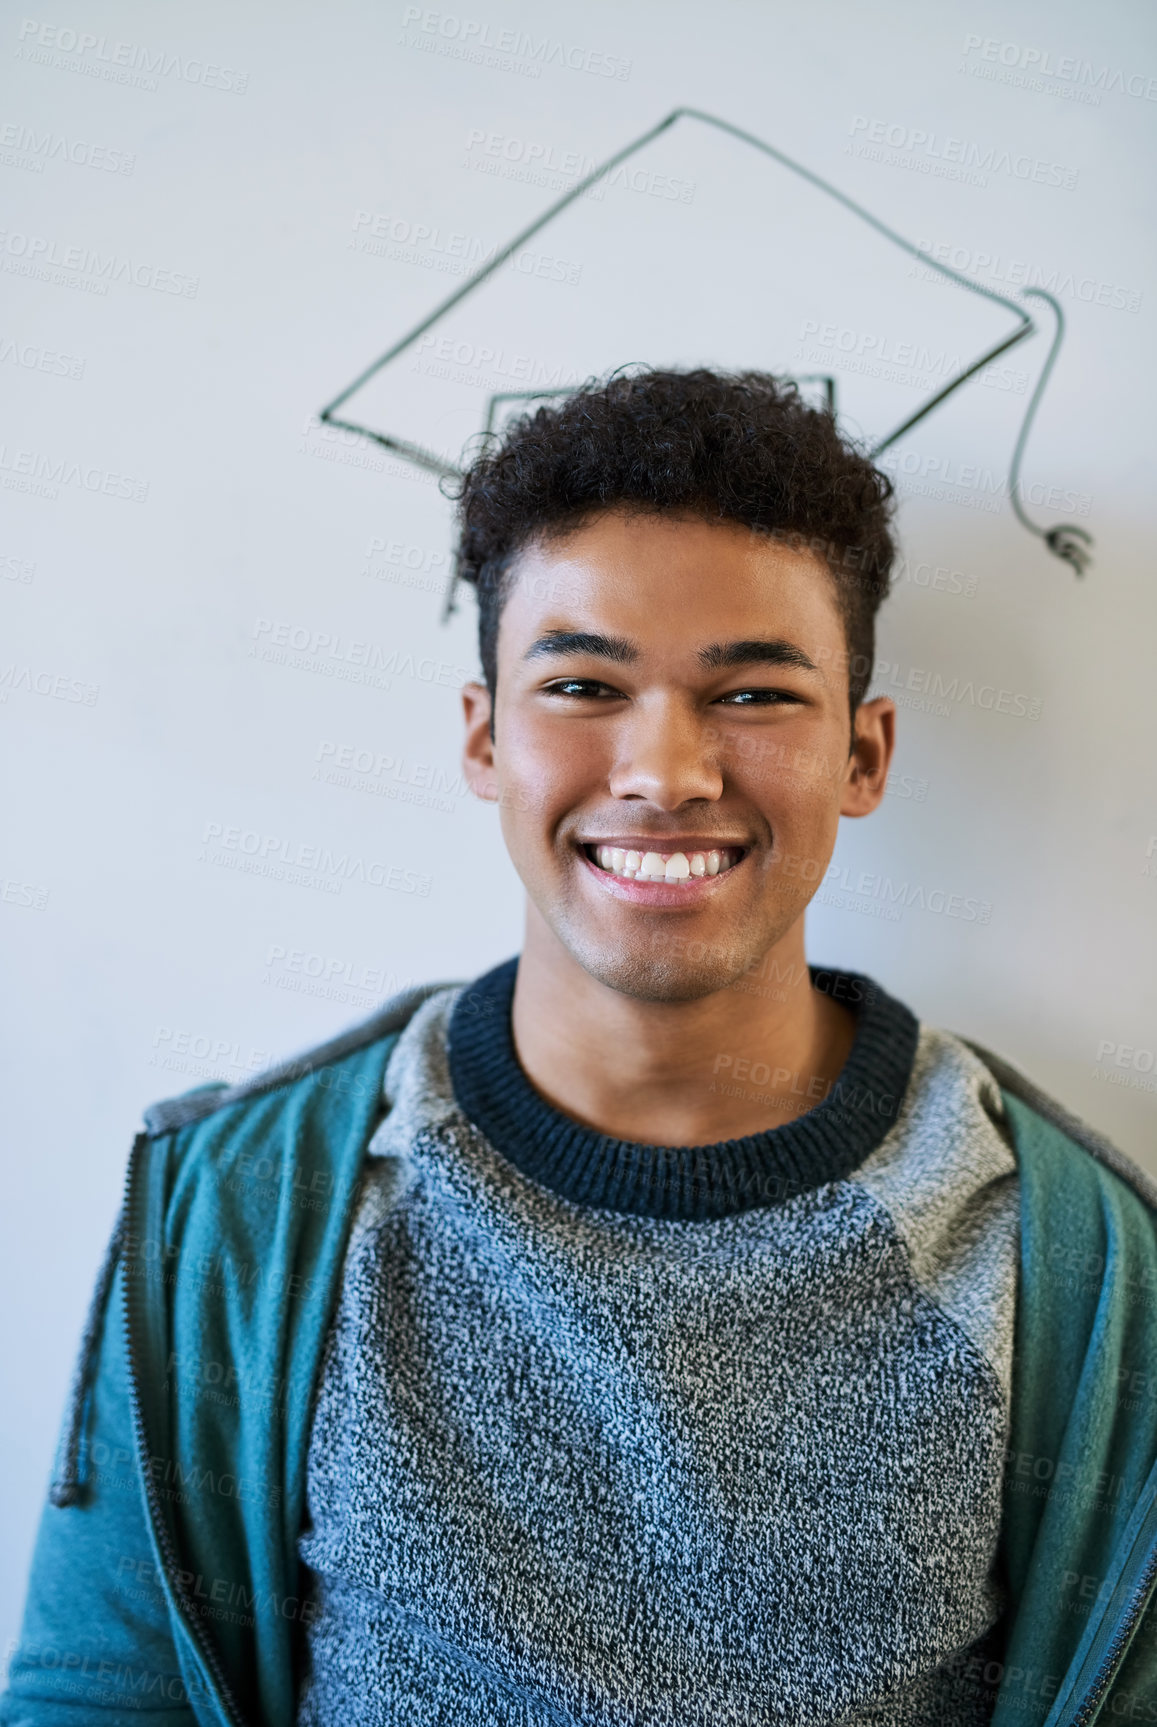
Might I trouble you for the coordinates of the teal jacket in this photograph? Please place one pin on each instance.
(166, 1576)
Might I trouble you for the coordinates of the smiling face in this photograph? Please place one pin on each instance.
(675, 689)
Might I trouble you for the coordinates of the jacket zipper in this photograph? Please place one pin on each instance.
(1091, 1703)
(1085, 1715)
(161, 1531)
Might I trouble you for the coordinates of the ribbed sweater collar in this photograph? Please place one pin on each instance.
(688, 1182)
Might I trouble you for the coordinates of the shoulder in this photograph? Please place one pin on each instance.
(1056, 1145)
(225, 1167)
(260, 1178)
(280, 1084)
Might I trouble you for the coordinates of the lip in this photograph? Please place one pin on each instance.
(674, 843)
(678, 895)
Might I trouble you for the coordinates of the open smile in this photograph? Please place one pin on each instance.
(661, 878)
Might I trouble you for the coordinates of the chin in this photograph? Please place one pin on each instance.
(684, 972)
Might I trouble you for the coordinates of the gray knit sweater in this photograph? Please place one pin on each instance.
(576, 1464)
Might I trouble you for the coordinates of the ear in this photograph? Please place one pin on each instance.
(873, 740)
(477, 749)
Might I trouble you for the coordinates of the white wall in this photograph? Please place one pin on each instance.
(134, 950)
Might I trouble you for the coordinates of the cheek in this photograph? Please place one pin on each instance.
(546, 769)
(800, 799)
(798, 762)
(800, 786)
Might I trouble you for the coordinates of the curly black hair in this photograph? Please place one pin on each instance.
(741, 447)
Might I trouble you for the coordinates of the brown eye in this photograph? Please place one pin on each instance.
(575, 688)
(759, 698)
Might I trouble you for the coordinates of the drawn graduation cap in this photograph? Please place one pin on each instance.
(855, 310)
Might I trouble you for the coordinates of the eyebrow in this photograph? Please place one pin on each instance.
(719, 656)
(715, 657)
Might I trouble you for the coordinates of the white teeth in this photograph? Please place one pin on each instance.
(659, 866)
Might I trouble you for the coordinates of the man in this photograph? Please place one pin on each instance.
(655, 1329)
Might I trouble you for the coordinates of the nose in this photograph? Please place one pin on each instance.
(666, 755)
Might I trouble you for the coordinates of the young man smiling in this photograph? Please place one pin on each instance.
(520, 1357)
(673, 765)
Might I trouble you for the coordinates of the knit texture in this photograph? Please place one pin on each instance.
(573, 1464)
(828, 1140)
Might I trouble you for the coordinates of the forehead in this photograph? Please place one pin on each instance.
(669, 581)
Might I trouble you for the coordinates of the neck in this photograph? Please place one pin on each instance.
(739, 1061)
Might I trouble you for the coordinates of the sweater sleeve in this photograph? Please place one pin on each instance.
(95, 1646)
